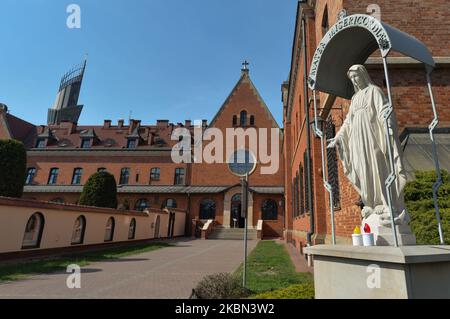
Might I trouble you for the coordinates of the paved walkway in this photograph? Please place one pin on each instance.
(169, 272)
(299, 261)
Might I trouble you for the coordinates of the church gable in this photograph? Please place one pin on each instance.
(244, 107)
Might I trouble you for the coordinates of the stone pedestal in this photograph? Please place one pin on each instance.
(381, 272)
(404, 235)
(383, 235)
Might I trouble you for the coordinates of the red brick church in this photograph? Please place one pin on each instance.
(62, 155)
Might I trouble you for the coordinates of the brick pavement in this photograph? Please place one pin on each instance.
(170, 272)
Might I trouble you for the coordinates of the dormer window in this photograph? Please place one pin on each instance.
(158, 141)
(86, 143)
(40, 143)
(132, 143)
(88, 138)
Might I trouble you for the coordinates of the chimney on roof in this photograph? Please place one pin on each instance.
(162, 123)
(120, 123)
(69, 125)
(107, 124)
(187, 123)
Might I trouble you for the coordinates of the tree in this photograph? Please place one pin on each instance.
(100, 190)
(420, 204)
(13, 164)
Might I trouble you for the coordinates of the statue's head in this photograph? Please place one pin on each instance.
(359, 77)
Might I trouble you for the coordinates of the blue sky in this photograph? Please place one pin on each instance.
(160, 59)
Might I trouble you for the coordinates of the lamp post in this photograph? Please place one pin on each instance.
(244, 204)
(243, 163)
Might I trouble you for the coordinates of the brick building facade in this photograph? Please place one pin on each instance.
(63, 155)
(425, 20)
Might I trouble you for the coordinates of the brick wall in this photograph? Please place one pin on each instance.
(140, 166)
(428, 21)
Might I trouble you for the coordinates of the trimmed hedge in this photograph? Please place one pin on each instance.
(301, 291)
(13, 165)
(100, 190)
(420, 204)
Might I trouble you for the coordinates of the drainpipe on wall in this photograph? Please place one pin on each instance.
(308, 135)
(188, 216)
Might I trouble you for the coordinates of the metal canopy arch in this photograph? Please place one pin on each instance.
(351, 41)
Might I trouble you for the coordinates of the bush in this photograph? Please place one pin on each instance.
(301, 291)
(420, 204)
(100, 190)
(220, 286)
(13, 164)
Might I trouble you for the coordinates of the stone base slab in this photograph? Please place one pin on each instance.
(381, 272)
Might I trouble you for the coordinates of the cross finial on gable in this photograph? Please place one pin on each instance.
(245, 65)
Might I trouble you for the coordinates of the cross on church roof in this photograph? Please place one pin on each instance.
(245, 65)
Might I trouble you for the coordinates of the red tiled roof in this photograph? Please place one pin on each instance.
(113, 136)
(21, 130)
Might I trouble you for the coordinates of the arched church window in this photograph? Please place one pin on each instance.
(169, 203)
(301, 191)
(307, 173)
(332, 164)
(141, 205)
(243, 118)
(234, 120)
(252, 120)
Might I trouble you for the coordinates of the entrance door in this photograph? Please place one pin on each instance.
(236, 206)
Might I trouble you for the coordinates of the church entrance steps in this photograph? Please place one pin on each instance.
(232, 234)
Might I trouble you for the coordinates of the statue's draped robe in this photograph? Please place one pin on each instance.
(364, 153)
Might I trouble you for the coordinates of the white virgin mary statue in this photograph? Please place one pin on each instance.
(362, 145)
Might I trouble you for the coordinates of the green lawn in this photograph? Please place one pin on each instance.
(22, 270)
(270, 267)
